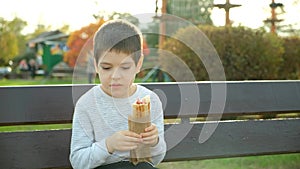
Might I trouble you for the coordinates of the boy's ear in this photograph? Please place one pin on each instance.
(140, 64)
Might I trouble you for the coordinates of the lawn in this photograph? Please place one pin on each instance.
(36, 81)
(45, 81)
(288, 161)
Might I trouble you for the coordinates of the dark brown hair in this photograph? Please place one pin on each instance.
(118, 36)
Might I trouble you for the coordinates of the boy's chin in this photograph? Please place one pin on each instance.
(119, 93)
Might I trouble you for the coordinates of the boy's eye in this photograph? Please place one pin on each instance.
(125, 68)
(105, 68)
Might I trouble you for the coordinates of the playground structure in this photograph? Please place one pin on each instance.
(196, 10)
(227, 6)
(51, 46)
(273, 20)
(155, 74)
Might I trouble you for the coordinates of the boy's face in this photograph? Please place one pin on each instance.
(117, 72)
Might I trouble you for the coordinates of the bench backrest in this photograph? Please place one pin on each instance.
(55, 104)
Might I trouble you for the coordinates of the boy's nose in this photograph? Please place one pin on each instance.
(116, 74)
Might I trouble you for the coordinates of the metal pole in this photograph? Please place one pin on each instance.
(162, 25)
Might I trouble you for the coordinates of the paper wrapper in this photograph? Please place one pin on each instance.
(137, 122)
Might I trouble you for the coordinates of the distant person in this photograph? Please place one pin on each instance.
(32, 68)
(90, 68)
(23, 66)
(39, 61)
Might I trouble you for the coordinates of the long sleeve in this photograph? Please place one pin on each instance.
(85, 153)
(159, 151)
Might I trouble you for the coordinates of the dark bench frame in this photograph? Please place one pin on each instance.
(232, 138)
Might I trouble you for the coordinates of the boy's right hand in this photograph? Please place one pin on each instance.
(123, 141)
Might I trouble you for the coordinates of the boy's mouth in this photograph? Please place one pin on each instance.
(115, 85)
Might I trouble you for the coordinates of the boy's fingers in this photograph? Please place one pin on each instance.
(147, 134)
(131, 144)
(133, 139)
(150, 138)
(150, 133)
(128, 147)
(151, 130)
(131, 134)
(151, 127)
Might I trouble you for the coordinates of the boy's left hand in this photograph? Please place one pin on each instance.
(150, 136)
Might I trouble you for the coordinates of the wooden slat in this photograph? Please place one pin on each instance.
(249, 97)
(42, 149)
(55, 103)
(236, 139)
(37, 149)
(263, 96)
(41, 104)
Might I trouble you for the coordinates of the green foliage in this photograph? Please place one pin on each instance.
(249, 54)
(178, 68)
(151, 34)
(290, 68)
(116, 15)
(39, 30)
(246, 54)
(11, 39)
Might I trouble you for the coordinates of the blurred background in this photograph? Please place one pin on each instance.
(42, 41)
(254, 39)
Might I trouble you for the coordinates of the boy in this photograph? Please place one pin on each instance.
(100, 135)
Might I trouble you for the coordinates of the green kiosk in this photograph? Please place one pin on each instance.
(50, 46)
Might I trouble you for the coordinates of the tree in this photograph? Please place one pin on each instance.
(290, 68)
(46, 28)
(117, 15)
(39, 30)
(11, 39)
(64, 28)
(246, 54)
(78, 39)
(152, 38)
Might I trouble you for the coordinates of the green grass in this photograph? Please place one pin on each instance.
(36, 81)
(44, 81)
(286, 161)
(22, 128)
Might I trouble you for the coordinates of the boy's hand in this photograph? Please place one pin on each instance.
(150, 137)
(123, 141)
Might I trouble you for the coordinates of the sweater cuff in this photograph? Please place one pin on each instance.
(159, 148)
(101, 145)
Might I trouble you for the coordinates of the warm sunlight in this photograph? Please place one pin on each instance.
(78, 13)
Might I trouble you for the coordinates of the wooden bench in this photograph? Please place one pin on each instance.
(231, 138)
